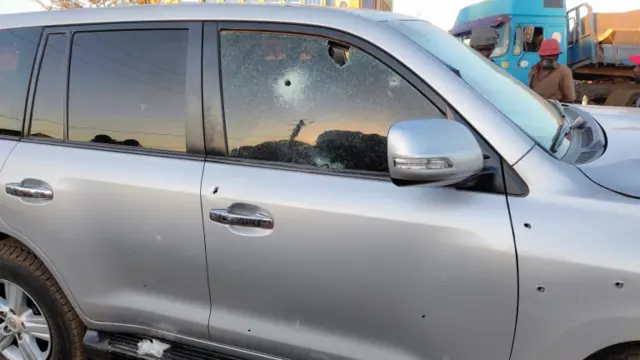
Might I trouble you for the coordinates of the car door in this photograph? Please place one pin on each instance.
(313, 253)
(115, 138)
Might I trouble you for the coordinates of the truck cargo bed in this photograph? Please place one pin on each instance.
(607, 39)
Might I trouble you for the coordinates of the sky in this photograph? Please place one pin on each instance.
(443, 14)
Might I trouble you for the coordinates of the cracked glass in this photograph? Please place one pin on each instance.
(310, 101)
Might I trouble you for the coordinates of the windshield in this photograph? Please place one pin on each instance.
(503, 40)
(526, 109)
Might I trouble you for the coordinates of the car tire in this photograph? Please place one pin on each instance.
(45, 299)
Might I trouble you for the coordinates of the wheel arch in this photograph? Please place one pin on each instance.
(610, 351)
(593, 338)
(7, 234)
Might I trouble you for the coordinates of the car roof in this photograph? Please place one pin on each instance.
(194, 12)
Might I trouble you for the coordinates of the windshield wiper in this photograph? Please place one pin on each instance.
(565, 128)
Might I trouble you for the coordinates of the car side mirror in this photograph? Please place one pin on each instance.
(436, 152)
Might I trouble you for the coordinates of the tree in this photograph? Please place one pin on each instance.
(76, 4)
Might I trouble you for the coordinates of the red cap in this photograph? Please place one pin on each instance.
(635, 59)
(549, 47)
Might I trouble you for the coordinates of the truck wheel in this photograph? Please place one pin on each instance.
(36, 319)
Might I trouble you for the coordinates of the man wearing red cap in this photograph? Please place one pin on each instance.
(636, 60)
(550, 79)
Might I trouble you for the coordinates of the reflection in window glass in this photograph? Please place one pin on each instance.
(17, 53)
(313, 2)
(331, 3)
(128, 88)
(48, 105)
(287, 100)
(517, 41)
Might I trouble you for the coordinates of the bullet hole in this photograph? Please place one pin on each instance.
(619, 284)
(541, 289)
(339, 53)
(215, 190)
(249, 330)
(527, 225)
(424, 316)
(287, 83)
(144, 285)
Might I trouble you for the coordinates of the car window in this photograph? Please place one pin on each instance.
(310, 101)
(48, 104)
(128, 88)
(17, 52)
(526, 109)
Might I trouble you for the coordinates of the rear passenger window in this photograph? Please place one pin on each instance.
(128, 88)
(17, 52)
(309, 101)
(48, 104)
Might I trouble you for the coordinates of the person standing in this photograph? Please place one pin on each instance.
(636, 71)
(549, 78)
(484, 40)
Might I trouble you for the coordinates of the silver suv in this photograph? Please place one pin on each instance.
(270, 182)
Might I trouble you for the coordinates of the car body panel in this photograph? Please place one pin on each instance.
(359, 269)
(618, 169)
(577, 244)
(119, 226)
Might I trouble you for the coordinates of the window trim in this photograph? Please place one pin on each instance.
(34, 64)
(193, 92)
(214, 123)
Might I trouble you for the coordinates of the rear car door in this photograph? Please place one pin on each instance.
(115, 135)
(313, 253)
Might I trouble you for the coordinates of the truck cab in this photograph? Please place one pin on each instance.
(596, 46)
(522, 26)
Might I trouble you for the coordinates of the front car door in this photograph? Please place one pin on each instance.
(114, 135)
(313, 253)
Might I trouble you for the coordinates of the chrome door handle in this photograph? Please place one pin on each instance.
(29, 188)
(223, 216)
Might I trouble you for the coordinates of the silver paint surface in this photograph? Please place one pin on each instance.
(582, 239)
(123, 231)
(353, 268)
(618, 168)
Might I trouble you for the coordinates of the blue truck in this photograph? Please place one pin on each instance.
(596, 46)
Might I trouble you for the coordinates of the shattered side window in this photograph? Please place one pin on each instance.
(311, 101)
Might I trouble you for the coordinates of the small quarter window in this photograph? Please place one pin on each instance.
(17, 52)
